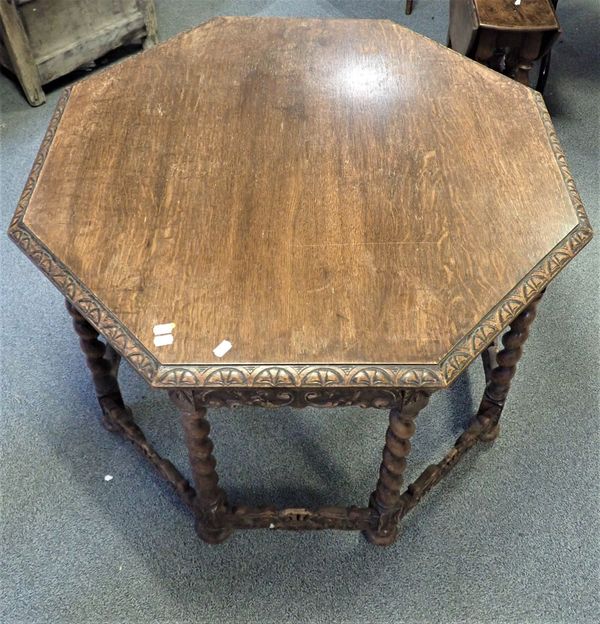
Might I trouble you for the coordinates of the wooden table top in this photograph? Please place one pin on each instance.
(345, 201)
(504, 14)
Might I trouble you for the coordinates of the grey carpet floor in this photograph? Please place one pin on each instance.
(511, 536)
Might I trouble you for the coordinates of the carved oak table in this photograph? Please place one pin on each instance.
(283, 212)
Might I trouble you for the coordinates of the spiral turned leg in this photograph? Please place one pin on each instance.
(386, 498)
(210, 505)
(103, 362)
(499, 377)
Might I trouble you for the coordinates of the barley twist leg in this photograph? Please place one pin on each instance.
(499, 377)
(386, 497)
(210, 505)
(103, 362)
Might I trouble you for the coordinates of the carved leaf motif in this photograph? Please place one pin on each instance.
(273, 376)
(483, 336)
(418, 377)
(177, 377)
(323, 377)
(184, 399)
(226, 376)
(235, 398)
(371, 377)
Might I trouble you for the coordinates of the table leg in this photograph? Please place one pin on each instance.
(499, 377)
(210, 504)
(490, 359)
(544, 70)
(386, 499)
(103, 362)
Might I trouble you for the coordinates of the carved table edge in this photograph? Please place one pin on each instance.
(305, 375)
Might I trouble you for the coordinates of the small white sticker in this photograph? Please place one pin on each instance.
(517, 2)
(108, 477)
(271, 526)
(221, 349)
(164, 328)
(163, 341)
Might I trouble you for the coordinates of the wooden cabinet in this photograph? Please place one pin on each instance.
(505, 35)
(41, 40)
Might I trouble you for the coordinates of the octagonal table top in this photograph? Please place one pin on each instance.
(346, 202)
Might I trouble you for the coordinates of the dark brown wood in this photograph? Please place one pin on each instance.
(489, 358)
(379, 398)
(498, 383)
(300, 519)
(210, 504)
(502, 35)
(545, 63)
(216, 520)
(386, 497)
(103, 363)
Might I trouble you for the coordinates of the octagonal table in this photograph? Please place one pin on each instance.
(284, 212)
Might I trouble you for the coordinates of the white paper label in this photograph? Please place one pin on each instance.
(221, 349)
(164, 328)
(163, 341)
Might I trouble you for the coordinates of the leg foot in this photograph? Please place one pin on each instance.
(379, 538)
(212, 535)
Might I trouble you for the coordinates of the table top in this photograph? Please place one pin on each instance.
(345, 202)
(504, 14)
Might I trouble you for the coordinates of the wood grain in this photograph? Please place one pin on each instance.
(529, 15)
(313, 191)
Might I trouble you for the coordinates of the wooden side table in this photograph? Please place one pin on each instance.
(41, 40)
(503, 35)
(297, 224)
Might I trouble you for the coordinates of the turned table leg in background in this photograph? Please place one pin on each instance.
(103, 362)
(210, 505)
(500, 375)
(386, 499)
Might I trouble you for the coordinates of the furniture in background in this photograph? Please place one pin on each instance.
(41, 40)
(505, 36)
(291, 213)
(545, 62)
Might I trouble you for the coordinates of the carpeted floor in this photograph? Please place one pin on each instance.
(511, 536)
